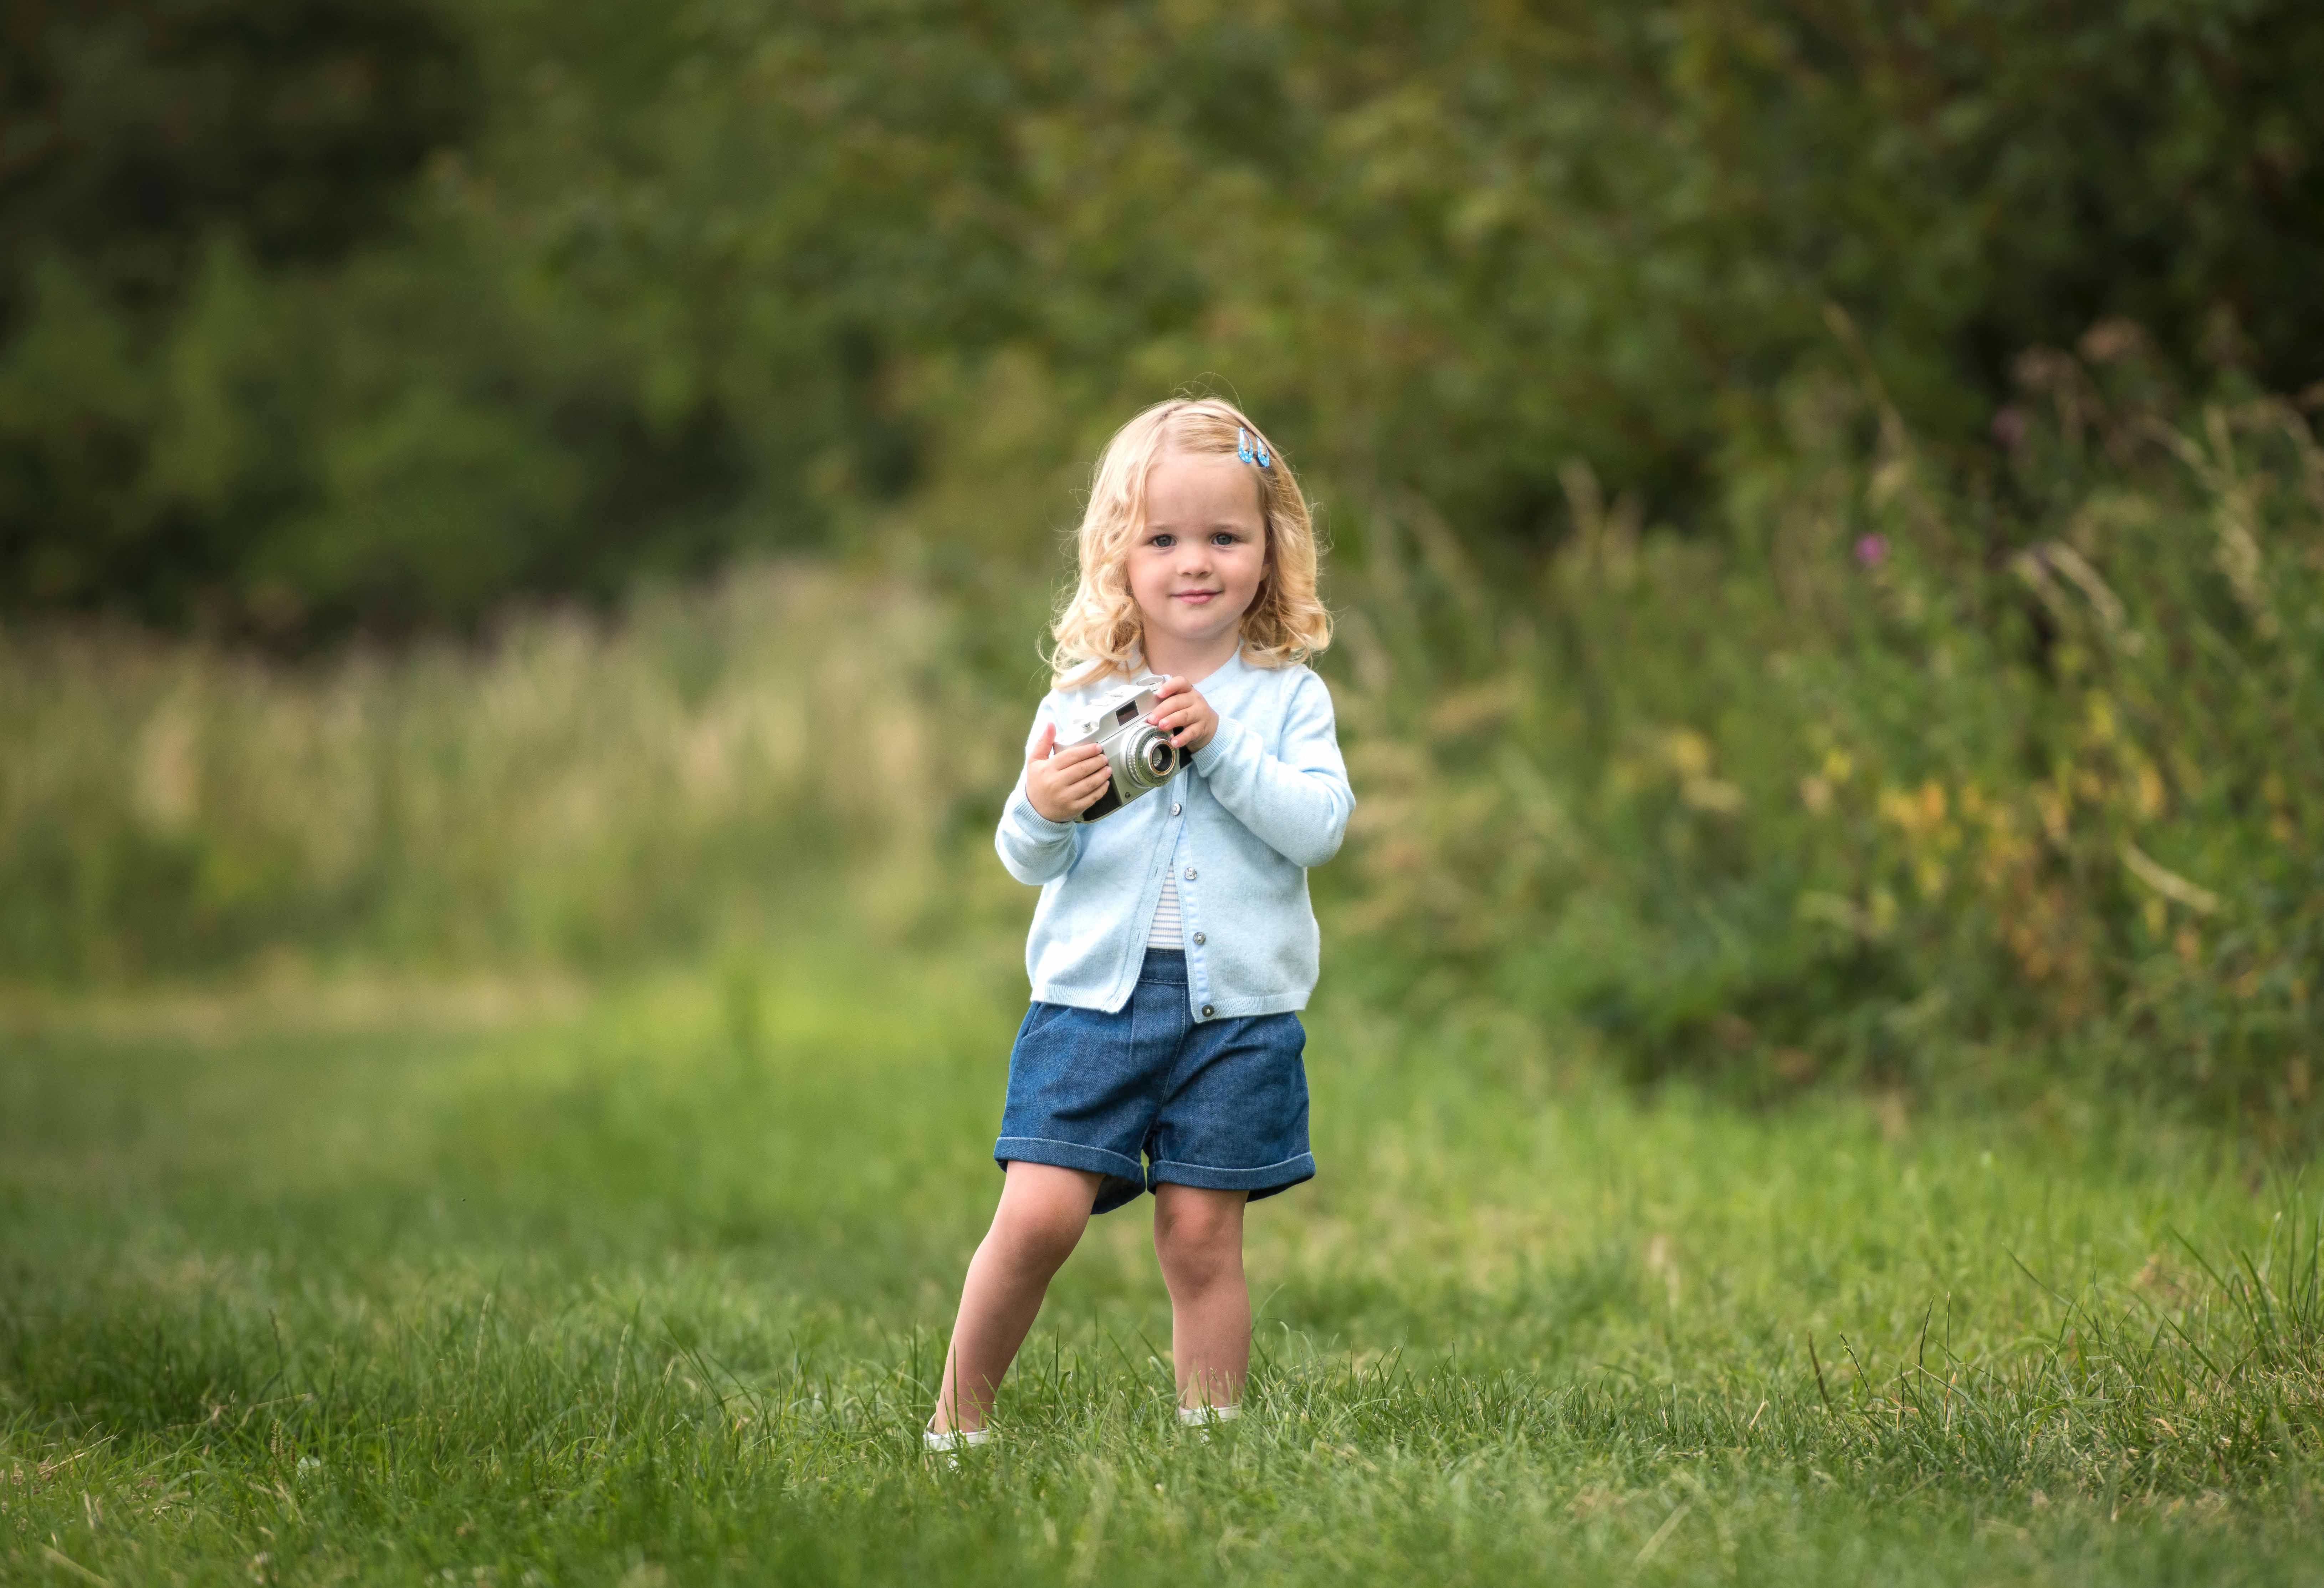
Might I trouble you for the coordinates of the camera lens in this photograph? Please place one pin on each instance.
(1146, 760)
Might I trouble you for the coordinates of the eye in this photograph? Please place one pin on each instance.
(1226, 537)
(1163, 541)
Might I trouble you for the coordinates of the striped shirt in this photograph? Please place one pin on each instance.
(1167, 931)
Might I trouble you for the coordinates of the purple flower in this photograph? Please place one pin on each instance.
(2008, 428)
(1872, 551)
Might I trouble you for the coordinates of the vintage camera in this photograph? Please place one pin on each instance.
(1141, 755)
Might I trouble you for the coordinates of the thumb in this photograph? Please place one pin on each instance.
(1044, 746)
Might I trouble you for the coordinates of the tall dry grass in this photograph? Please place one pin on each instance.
(571, 790)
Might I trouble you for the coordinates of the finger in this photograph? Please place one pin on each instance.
(1046, 744)
(1176, 684)
(1074, 756)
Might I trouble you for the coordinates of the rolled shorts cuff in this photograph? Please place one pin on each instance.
(1264, 1181)
(1068, 1155)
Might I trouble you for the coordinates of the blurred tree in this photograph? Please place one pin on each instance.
(691, 280)
(1972, 178)
(137, 126)
(136, 138)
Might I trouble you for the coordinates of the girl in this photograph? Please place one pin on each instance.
(1172, 940)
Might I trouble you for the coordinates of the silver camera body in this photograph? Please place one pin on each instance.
(1141, 755)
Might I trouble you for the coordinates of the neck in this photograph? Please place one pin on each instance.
(1193, 660)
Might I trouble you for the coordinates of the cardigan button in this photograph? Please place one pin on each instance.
(1174, 807)
(1190, 873)
(1207, 1012)
(1199, 939)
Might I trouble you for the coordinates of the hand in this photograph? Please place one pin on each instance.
(1060, 784)
(1184, 711)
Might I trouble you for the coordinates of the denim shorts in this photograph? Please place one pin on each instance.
(1150, 1094)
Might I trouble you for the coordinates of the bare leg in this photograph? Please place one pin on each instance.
(1198, 1236)
(1042, 1214)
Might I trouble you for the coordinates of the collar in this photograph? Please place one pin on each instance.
(1234, 668)
(1233, 671)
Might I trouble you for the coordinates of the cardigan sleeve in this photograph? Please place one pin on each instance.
(1033, 848)
(1298, 801)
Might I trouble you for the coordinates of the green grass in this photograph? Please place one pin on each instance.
(646, 1283)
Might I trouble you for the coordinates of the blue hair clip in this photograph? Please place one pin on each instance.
(1249, 447)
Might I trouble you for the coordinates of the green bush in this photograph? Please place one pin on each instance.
(1931, 783)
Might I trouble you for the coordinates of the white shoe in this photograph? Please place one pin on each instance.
(946, 1448)
(1204, 1418)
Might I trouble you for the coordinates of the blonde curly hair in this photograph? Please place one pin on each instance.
(1099, 627)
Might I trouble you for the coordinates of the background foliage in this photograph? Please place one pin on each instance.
(1825, 591)
(1848, 800)
(317, 315)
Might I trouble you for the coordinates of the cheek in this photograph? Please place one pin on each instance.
(1149, 583)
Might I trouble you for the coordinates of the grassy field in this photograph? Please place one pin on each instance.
(528, 1282)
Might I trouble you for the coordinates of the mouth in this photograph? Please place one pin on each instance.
(1197, 598)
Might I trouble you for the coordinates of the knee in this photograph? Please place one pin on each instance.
(1198, 1250)
(1039, 1236)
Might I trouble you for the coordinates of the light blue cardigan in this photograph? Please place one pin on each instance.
(1266, 799)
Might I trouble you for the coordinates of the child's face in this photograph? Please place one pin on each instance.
(1195, 566)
